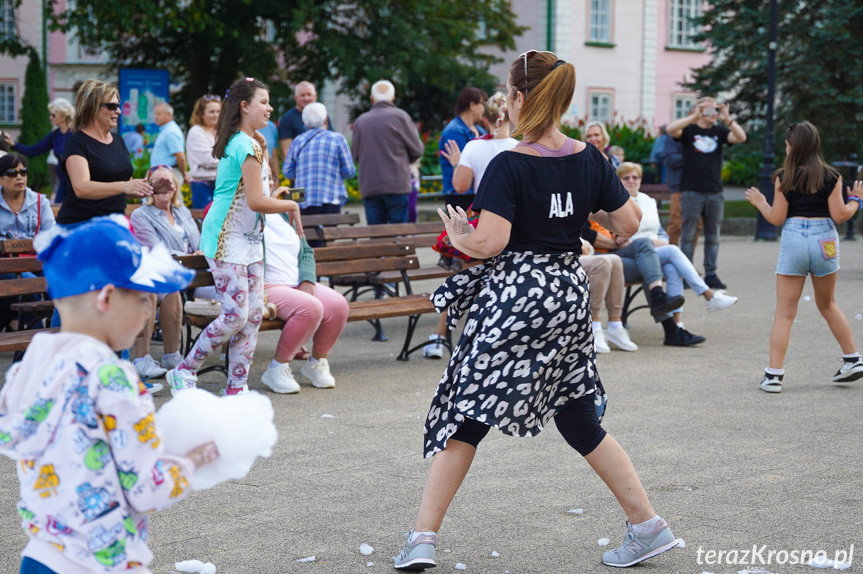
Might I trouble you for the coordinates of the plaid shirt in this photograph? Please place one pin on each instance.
(320, 160)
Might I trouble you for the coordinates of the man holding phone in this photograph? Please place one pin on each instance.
(701, 182)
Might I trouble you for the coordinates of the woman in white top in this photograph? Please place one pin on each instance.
(676, 267)
(468, 168)
(199, 149)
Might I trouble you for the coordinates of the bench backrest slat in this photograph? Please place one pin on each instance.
(16, 246)
(354, 251)
(20, 265)
(375, 231)
(26, 286)
(369, 265)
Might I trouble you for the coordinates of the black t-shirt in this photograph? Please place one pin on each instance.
(702, 157)
(548, 199)
(108, 163)
(291, 125)
(810, 204)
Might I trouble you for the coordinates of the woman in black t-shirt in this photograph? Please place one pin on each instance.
(807, 199)
(526, 354)
(95, 160)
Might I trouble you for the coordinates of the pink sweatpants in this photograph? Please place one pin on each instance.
(321, 317)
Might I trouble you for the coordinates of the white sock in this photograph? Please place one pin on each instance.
(615, 324)
(415, 535)
(597, 325)
(166, 355)
(772, 371)
(646, 526)
(274, 363)
(851, 356)
(312, 359)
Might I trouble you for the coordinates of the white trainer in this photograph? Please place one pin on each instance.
(619, 337)
(720, 301)
(600, 343)
(148, 368)
(319, 373)
(434, 348)
(281, 380)
(180, 380)
(171, 360)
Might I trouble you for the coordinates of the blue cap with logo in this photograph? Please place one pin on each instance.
(103, 251)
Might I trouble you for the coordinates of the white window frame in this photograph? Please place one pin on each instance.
(8, 102)
(681, 26)
(8, 29)
(680, 105)
(599, 18)
(595, 105)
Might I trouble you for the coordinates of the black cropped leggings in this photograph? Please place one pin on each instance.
(577, 423)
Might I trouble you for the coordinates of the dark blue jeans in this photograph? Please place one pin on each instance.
(386, 209)
(30, 566)
(202, 193)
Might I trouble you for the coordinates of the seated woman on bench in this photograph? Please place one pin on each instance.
(163, 219)
(309, 309)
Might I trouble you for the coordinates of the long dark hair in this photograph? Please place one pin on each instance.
(805, 169)
(242, 90)
(468, 96)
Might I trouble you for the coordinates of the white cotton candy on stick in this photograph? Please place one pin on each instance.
(241, 426)
(195, 567)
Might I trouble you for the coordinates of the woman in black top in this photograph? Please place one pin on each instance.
(95, 160)
(807, 199)
(526, 354)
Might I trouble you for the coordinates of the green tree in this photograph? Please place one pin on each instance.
(429, 50)
(817, 63)
(12, 45)
(35, 123)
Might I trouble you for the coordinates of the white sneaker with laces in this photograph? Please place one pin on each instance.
(619, 337)
(281, 380)
(434, 349)
(599, 342)
(851, 370)
(148, 368)
(319, 373)
(171, 360)
(720, 301)
(181, 379)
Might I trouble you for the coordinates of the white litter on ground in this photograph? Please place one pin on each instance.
(195, 566)
(241, 426)
(370, 564)
(460, 566)
(603, 541)
(859, 317)
(756, 571)
(824, 562)
(807, 298)
(309, 559)
(495, 554)
(447, 550)
(365, 549)
(576, 511)
(325, 416)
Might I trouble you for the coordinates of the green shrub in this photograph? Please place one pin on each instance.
(35, 122)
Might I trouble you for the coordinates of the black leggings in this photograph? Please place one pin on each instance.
(577, 423)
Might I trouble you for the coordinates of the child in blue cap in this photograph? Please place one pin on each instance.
(78, 419)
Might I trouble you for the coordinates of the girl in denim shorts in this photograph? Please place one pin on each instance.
(808, 198)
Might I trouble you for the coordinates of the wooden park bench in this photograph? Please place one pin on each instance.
(23, 288)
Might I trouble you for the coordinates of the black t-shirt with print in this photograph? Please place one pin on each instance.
(548, 199)
(702, 157)
(108, 163)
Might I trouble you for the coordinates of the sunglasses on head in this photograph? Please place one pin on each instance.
(15, 172)
(111, 107)
(528, 53)
(211, 98)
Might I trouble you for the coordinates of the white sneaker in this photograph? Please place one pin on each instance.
(171, 360)
(619, 337)
(319, 373)
(180, 380)
(281, 380)
(434, 349)
(148, 368)
(852, 369)
(599, 342)
(153, 388)
(720, 301)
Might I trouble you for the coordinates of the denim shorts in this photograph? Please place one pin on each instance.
(808, 246)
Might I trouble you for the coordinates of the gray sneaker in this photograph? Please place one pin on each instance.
(639, 547)
(417, 555)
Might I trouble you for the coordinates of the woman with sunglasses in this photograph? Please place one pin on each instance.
(526, 355)
(199, 149)
(232, 236)
(808, 198)
(61, 112)
(95, 160)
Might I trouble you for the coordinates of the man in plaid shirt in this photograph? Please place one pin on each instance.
(319, 160)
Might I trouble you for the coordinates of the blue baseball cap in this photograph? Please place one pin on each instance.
(103, 251)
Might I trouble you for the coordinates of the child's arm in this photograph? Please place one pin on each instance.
(151, 480)
(840, 211)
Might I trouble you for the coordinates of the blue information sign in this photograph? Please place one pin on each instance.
(140, 91)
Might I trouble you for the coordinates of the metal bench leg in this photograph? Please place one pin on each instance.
(406, 349)
(379, 331)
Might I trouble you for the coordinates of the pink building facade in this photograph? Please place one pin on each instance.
(631, 56)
